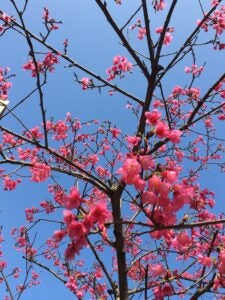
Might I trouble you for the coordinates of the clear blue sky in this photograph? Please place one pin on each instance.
(93, 44)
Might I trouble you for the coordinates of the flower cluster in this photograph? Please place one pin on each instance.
(59, 130)
(217, 23)
(120, 66)
(77, 230)
(141, 29)
(161, 129)
(10, 184)
(73, 200)
(6, 22)
(34, 133)
(30, 213)
(40, 172)
(159, 5)
(168, 37)
(4, 84)
(85, 82)
(47, 64)
(194, 70)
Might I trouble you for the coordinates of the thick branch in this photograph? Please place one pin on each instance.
(119, 243)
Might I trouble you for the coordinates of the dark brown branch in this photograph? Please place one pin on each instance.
(204, 290)
(175, 227)
(148, 32)
(7, 285)
(165, 26)
(114, 289)
(131, 17)
(119, 243)
(211, 247)
(46, 268)
(204, 98)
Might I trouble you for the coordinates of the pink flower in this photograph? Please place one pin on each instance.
(9, 139)
(147, 162)
(34, 133)
(162, 130)
(5, 18)
(68, 216)
(141, 33)
(178, 90)
(60, 129)
(133, 140)
(193, 93)
(205, 260)
(115, 132)
(40, 172)
(167, 290)
(48, 206)
(130, 169)
(120, 66)
(208, 123)
(154, 183)
(3, 265)
(182, 241)
(179, 154)
(167, 39)
(100, 213)
(49, 60)
(74, 247)
(159, 30)
(187, 70)
(214, 2)
(59, 235)
(194, 69)
(10, 184)
(139, 184)
(149, 197)
(76, 230)
(169, 176)
(159, 5)
(73, 200)
(116, 59)
(85, 81)
(157, 270)
(174, 136)
(222, 93)
(153, 117)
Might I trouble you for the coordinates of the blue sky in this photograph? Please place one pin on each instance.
(93, 44)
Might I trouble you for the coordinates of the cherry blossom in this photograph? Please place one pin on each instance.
(124, 204)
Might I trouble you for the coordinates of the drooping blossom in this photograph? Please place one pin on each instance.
(40, 172)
